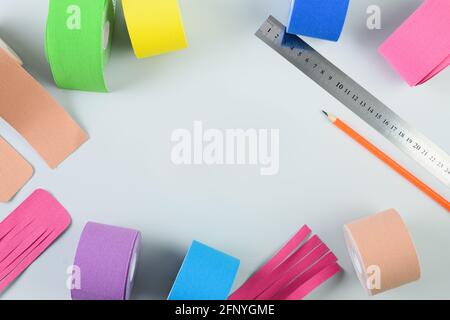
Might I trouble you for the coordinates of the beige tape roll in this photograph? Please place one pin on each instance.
(382, 252)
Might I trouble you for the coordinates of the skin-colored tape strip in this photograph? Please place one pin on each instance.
(155, 26)
(78, 42)
(10, 51)
(246, 291)
(381, 247)
(29, 109)
(14, 170)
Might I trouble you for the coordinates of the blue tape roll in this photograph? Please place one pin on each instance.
(206, 274)
(323, 19)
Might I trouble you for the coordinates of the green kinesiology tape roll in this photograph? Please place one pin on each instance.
(78, 42)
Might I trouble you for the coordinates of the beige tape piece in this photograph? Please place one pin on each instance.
(10, 51)
(382, 252)
(29, 109)
(14, 171)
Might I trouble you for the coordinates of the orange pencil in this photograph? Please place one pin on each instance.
(390, 162)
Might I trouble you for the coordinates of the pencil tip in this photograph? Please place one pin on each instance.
(325, 113)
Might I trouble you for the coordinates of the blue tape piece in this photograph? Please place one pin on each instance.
(206, 274)
(323, 19)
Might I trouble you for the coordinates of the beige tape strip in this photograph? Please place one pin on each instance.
(11, 52)
(382, 252)
(29, 109)
(14, 171)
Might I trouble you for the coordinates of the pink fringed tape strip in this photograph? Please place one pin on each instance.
(420, 48)
(296, 270)
(27, 232)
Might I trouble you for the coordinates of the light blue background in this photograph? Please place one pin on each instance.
(230, 79)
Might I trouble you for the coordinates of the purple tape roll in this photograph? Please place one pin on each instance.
(106, 259)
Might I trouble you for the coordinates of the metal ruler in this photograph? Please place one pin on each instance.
(356, 98)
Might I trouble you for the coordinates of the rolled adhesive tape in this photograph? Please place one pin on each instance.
(106, 260)
(382, 252)
(78, 42)
(318, 18)
(10, 51)
(155, 26)
(206, 274)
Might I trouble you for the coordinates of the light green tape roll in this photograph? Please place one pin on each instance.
(78, 42)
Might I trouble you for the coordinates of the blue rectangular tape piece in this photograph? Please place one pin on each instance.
(323, 19)
(206, 274)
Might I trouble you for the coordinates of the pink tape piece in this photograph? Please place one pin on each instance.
(48, 219)
(247, 290)
(326, 261)
(25, 260)
(286, 266)
(15, 222)
(11, 244)
(278, 272)
(420, 48)
(28, 246)
(315, 282)
(294, 272)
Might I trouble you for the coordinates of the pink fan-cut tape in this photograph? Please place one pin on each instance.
(297, 269)
(27, 232)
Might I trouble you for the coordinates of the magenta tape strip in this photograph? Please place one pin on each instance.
(28, 246)
(297, 269)
(286, 268)
(19, 246)
(248, 289)
(315, 282)
(327, 260)
(27, 232)
(294, 272)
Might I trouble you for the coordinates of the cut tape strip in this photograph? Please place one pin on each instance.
(15, 171)
(318, 18)
(284, 268)
(29, 109)
(10, 51)
(155, 26)
(293, 261)
(420, 48)
(286, 278)
(284, 293)
(49, 221)
(250, 287)
(78, 42)
(315, 281)
(206, 274)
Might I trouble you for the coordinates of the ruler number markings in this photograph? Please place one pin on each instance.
(348, 92)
